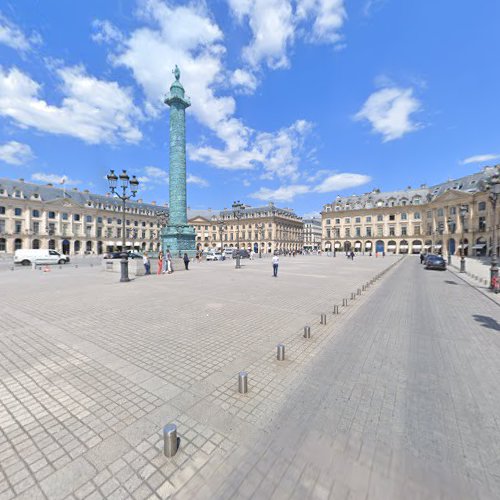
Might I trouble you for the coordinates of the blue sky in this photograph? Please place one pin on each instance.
(293, 101)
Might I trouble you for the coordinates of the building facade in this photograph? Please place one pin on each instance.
(415, 220)
(72, 221)
(312, 234)
(260, 229)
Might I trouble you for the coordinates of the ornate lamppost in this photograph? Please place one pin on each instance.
(222, 229)
(451, 230)
(464, 209)
(493, 186)
(237, 212)
(261, 228)
(126, 183)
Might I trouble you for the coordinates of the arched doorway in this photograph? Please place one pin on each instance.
(77, 246)
(391, 246)
(428, 246)
(416, 246)
(464, 247)
(35, 244)
(65, 247)
(379, 246)
(52, 244)
(328, 246)
(480, 247)
(368, 246)
(438, 247)
(357, 246)
(18, 244)
(452, 246)
(403, 246)
(256, 247)
(3, 245)
(88, 247)
(347, 246)
(99, 247)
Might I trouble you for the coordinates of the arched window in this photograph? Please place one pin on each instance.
(35, 244)
(3, 245)
(52, 244)
(18, 244)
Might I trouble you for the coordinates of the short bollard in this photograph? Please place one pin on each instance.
(359, 291)
(243, 382)
(344, 302)
(307, 332)
(280, 354)
(353, 296)
(170, 440)
(323, 319)
(335, 309)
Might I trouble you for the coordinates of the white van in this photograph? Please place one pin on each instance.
(42, 256)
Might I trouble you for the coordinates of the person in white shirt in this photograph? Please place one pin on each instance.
(276, 261)
(145, 261)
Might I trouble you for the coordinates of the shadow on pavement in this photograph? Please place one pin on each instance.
(487, 322)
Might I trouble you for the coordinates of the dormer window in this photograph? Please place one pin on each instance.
(17, 194)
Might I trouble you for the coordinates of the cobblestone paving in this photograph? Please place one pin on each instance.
(393, 398)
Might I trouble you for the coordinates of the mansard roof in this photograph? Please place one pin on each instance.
(424, 194)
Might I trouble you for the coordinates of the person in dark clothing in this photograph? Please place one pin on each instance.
(186, 261)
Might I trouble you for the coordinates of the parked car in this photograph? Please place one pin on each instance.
(427, 255)
(40, 256)
(118, 255)
(215, 256)
(242, 253)
(228, 252)
(435, 262)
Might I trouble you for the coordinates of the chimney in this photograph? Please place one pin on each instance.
(139, 200)
(74, 189)
(21, 180)
(108, 195)
(86, 191)
(50, 185)
(153, 203)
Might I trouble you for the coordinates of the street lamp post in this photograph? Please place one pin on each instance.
(261, 230)
(450, 227)
(463, 212)
(493, 186)
(237, 206)
(126, 183)
(222, 228)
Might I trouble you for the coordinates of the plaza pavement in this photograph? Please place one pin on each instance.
(396, 397)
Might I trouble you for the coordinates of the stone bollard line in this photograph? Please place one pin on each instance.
(323, 319)
(335, 309)
(344, 302)
(307, 332)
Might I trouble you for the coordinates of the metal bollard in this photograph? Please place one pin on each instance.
(323, 319)
(170, 440)
(353, 296)
(280, 354)
(344, 302)
(243, 382)
(307, 332)
(335, 309)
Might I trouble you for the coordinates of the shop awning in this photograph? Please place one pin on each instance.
(337, 245)
(465, 246)
(417, 247)
(478, 246)
(390, 247)
(427, 247)
(403, 246)
(357, 245)
(368, 245)
(438, 246)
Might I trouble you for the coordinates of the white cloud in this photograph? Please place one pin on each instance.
(480, 158)
(12, 36)
(272, 25)
(338, 182)
(244, 81)
(389, 112)
(15, 153)
(283, 193)
(328, 15)
(194, 179)
(106, 32)
(95, 111)
(54, 179)
(153, 175)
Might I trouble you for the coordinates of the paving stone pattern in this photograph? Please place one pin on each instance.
(393, 398)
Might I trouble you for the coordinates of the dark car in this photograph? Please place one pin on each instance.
(427, 256)
(435, 262)
(242, 253)
(118, 255)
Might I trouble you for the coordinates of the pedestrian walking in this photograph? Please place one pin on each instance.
(276, 261)
(422, 257)
(352, 255)
(160, 262)
(147, 265)
(186, 261)
(170, 269)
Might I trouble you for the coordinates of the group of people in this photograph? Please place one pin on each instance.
(164, 263)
